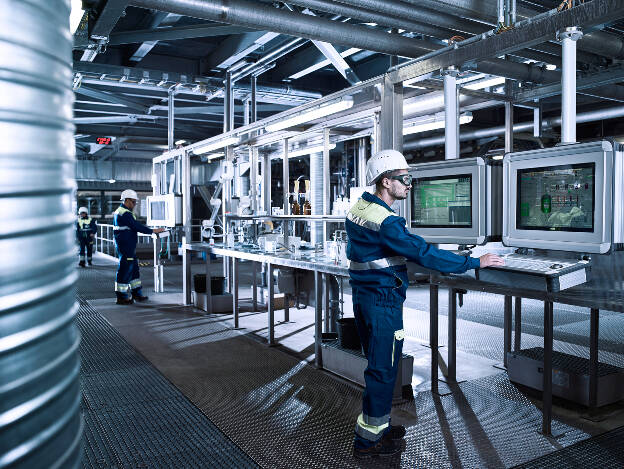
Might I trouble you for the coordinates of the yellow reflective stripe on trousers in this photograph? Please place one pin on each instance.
(374, 429)
(122, 287)
(378, 263)
(136, 283)
(398, 335)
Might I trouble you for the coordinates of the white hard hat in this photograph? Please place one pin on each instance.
(129, 194)
(82, 210)
(382, 162)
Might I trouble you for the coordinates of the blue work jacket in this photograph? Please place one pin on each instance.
(379, 246)
(84, 228)
(125, 229)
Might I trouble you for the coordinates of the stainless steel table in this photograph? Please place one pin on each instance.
(321, 265)
(591, 295)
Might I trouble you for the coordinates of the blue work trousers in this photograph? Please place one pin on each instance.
(379, 320)
(127, 280)
(86, 245)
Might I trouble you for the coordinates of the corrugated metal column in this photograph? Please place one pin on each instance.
(509, 117)
(316, 196)
(376, 143)
(568, 38)
(228, 104)
(40, 423)
(285, 188)
(451, 114)
(187, 216)
(361, 162)
(266, 183)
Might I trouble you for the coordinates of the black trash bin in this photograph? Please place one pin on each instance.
(348, 334)
(217, 284)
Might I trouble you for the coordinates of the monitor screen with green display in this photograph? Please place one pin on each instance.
(442, 202)
(556, 198)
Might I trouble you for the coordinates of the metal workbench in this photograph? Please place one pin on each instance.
(591, 295)
(316, 262)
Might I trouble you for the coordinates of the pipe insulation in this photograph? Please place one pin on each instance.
(591, 116)
(40, 423)
(259, 16)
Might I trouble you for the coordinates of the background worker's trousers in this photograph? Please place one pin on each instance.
(86, 245)
(379, 319)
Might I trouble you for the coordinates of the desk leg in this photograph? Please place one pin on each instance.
(507, 329)
(286, 308)
(433, 335)
(254, 286)
(270, 305)
(208, 285)
(318, 319)
(547, 384)
(326, 302)
(452, 336)
(593, 357)
(517, 324)
(235, 309)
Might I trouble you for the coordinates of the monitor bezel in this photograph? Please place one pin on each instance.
(476, 168)
(170, 218)
(596, 241)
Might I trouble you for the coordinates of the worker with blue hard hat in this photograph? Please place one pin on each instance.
(378, 247)
(86, 229)
(125, 228)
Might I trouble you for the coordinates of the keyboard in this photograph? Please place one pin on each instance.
(520, 262)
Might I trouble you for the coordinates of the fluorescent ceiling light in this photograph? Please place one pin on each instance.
(214, 156)
(437, 122)
(551, 67)
(112, 181)
(180, 142)
(309, 150)
(311, 115)
(498, 157)
(208, 147)
(322, 63)
(485, 83)
(76, 15)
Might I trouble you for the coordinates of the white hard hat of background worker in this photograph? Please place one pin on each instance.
(82, 210)
(129, 194)
(382, 162)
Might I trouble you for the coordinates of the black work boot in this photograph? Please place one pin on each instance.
(82, 264)
(90, 262)
(121, 300)
(383, 448)
(137, 295)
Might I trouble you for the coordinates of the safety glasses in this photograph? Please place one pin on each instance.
(405, 179)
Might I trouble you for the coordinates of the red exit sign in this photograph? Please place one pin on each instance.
(103, 140)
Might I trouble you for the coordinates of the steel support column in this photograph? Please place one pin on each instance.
(391, 119)
(326, 182)
(568, 38)
(361, 162)
(170, 117)
(509, 117)
(187, 215)
(451, 114)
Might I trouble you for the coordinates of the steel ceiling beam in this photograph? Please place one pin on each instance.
(175, 33)
(236, 48)
(112, 98)
(147, 46)
(112, 11)
(526, 34)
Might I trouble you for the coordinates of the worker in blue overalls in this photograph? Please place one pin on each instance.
(125, 228)
(379, 245)
(86, 230)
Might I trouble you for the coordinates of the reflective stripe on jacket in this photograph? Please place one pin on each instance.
(85, 227)
(125, 228)
(379, 246)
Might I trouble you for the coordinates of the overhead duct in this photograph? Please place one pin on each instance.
(260, 16)
(40, 423)
(602, 114)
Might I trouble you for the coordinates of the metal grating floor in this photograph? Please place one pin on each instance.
(133, 416)
(602, 451)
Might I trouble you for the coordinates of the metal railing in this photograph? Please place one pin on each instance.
(105, 242)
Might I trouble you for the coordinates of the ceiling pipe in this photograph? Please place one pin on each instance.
(260, 16)
(368, 16)
(592, 116)
(568, 38)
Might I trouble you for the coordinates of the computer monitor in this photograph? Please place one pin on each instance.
(451, 201)
(564, 198)
(164, 210)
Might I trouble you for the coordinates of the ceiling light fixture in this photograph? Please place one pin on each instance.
(309, 150)
(311, 115)
(208, 147)
(75, 16)
(432, 123)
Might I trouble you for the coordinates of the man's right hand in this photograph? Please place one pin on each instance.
(488, 260)
(158, 230)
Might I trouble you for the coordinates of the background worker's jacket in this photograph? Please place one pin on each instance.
(85, 227)
(125, 228)
(379, 246)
